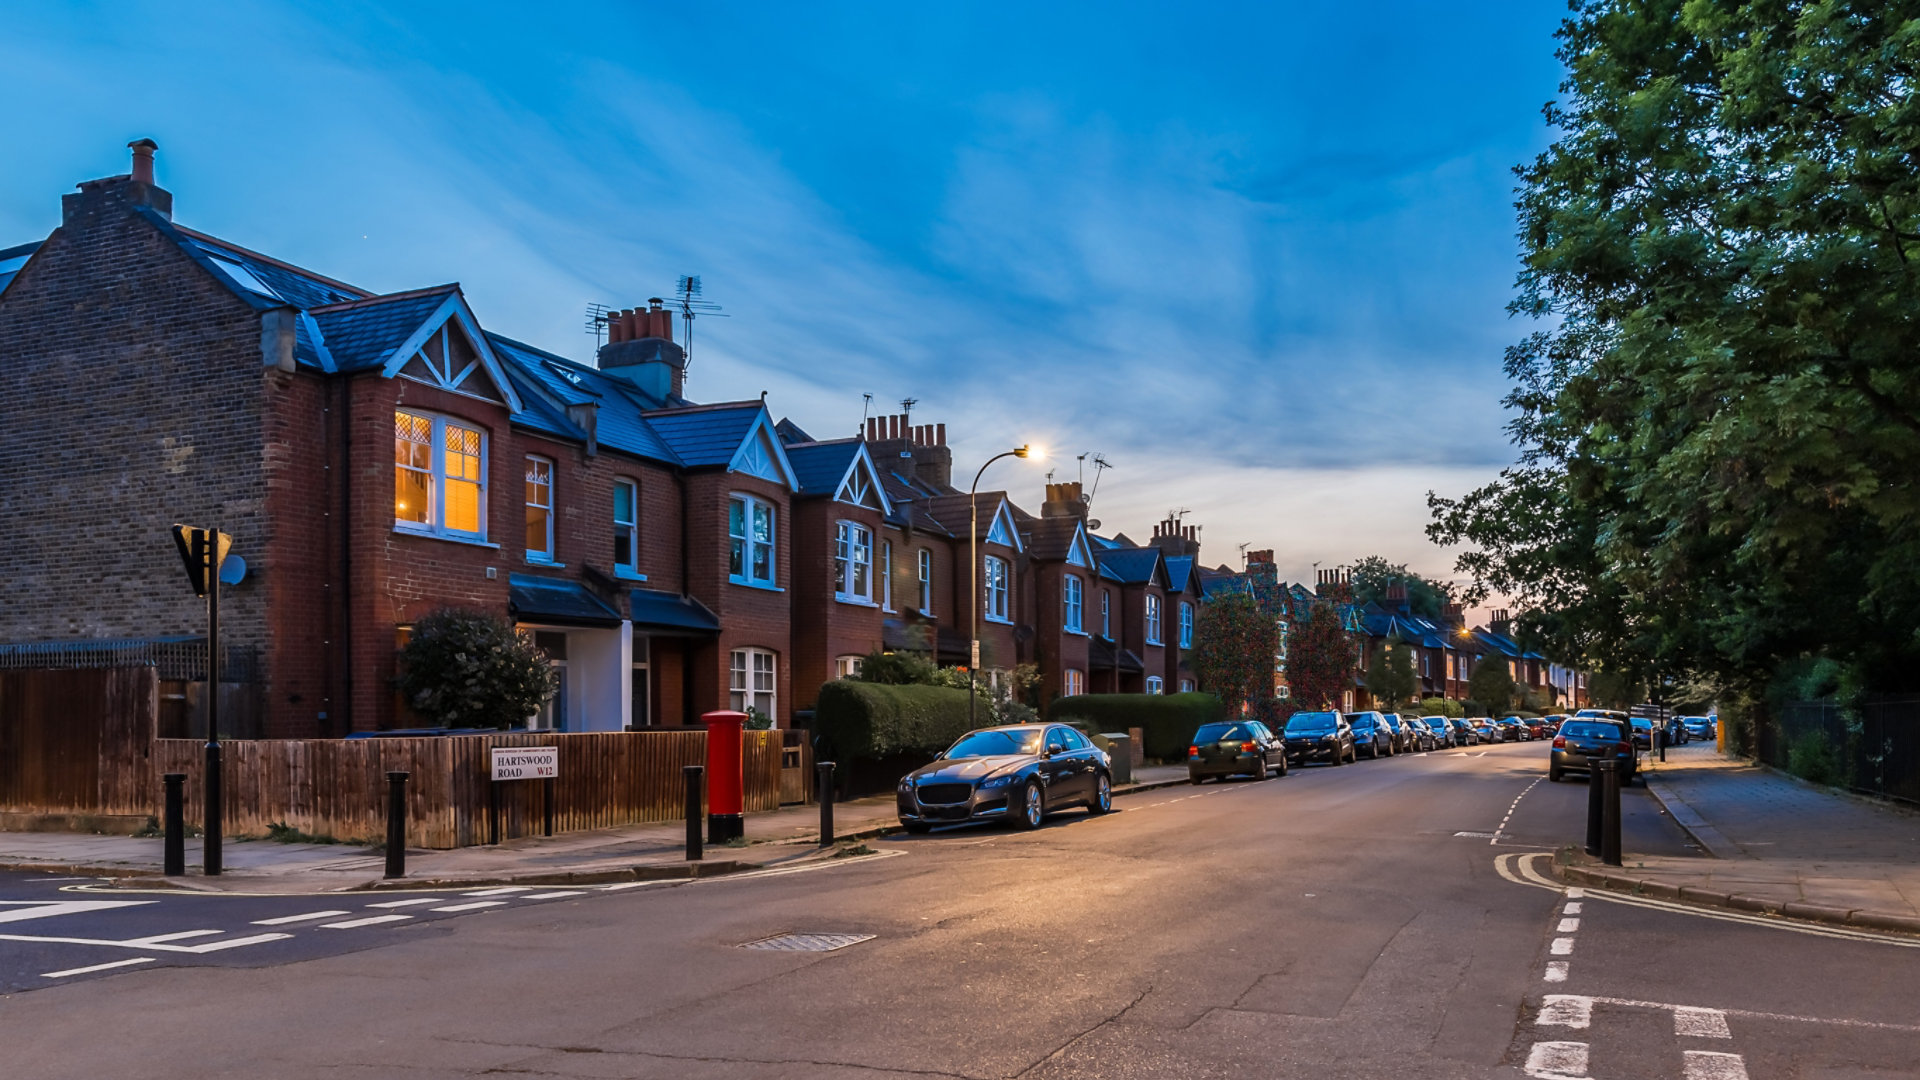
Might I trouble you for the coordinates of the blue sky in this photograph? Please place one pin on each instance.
(1255, 255)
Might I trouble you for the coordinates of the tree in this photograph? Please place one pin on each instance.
(1719, 420)
(1321, 657)
(469, 669)
(1234, 644)
(1372, 575)
(1390, 674)
(1491, 684)
(1435, 706)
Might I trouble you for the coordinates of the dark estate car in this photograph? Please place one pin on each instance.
(1313, 736)
(1642, 732)
(1239, 748)
(1018, 774)
(1372, 733)
(1582, 740)
(1513, 729)
(1421, 737)
(1551, 725)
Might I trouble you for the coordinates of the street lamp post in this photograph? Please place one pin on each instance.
(973, 557)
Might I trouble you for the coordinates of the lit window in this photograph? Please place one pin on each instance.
(853, 563)
(1075, 603)
(926, 581)
(1154, 683)
(1153, 619)
(847, 667)
(750, 681)
(750, 536)
(439, 476)
(539, 510)
(626, 527)
(886, 574)
(1186, 686)
(997, 589)
(1073, 681)
(1186, 625)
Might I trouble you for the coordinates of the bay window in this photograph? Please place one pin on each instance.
(853, 563)
(439, 476)
(750, 541)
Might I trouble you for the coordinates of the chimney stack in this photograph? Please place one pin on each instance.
(1064, 501)
(910, 450)
(143, 160)
(132, 189)
(1176, 540)
(640, 350)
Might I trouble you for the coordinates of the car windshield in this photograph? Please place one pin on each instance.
(1641, 721)
(1590, 729)
(993, 743)
(1307, 723)
(1221, 733)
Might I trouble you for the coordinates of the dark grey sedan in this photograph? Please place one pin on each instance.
(1019, 774)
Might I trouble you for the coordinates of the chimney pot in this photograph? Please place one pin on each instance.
(143, 159)
(942, 434)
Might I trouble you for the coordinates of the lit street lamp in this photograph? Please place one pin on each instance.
(973, 556)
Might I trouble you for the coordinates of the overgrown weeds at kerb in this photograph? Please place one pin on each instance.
(282, 833)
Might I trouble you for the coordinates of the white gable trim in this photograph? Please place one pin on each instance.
(761, 454)
(861, 472)
(455, 310)
(1003, 530)
(1079, 552)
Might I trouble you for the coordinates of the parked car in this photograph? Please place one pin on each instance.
(1463, 732)
(1484, 729)
(1019, 774)
(1700, 727)
(1237, 748)
(1423, 737)
(1402, 744)
(1676, 732)
(1551, 724)
(1371, 733)
(1444, 736)
(1512, 730)
(1583, 740)
(1642, 729)
(1536, 727)
(1316, 736)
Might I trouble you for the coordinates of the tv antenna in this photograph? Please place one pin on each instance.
(906, 409)
(687, 297)
(1243, 554)
(1100, 465)
(866, 407)
(597, 322)
(1178, 516)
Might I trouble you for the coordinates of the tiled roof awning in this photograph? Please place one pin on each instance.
(1104, 655)
(665, 614)
(562, 603)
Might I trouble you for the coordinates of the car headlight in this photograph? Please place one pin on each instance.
(998, 782)
(906, 783)
(1330, 738)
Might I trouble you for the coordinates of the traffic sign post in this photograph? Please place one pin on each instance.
(202, 551)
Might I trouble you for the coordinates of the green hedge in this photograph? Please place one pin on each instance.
(872, 720)
(1167, 721)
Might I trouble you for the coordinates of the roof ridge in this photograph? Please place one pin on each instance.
(369, 301)
(709, 406)
(271, 261)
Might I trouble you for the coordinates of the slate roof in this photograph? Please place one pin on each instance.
(1051, 539)
(820, 466)
(554, 600)
(12, 259)
(1102, 653)
(302, 288)
(952, 513)
(1179, 569)
(705, 434)
(670, 614)
(364, 334)
(1131, 565)
(620, 423)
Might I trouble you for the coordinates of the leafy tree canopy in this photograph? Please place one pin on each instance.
(1390, 674)
(1719, 419)
(469, 669)
(1321, 657)
(1234, 645)
(1492, 685)
(1373, 574)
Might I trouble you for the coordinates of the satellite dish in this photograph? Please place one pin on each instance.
(232, 569)
(1093, 523)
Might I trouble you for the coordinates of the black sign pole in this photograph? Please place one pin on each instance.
(210, 845)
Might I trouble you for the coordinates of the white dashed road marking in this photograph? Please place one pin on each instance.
(553, 895)
(1562, 946)
(1701, 1023)
(1557, 1060)
(160, 938)
(476, 905)
(1567, 1010)
(1511, 807)
(1706, 1065)
(411, 903)
(373, 920)
(308, 917)
(500, 891)
(97, 967)
(1568, 926)
(1556, 971)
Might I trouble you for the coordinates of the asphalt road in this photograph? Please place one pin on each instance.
(1332, 923)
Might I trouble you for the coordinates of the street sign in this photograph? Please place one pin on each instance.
(526, 762)
(192, 543)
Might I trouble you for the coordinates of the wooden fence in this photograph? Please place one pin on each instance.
(77, 741)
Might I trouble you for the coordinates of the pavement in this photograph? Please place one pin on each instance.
(625, 853)
(1774, 844)
(1380, 920)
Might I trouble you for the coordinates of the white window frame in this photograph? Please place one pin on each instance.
(996, 573)
(1073, 599)
(435, 525)
(628, 570)
(847, 667)
(1073, 681)
(852, 552)
(924, 567)
(1106, 614)
(1186, 686)
(535, 463)
(749, 544)
(745, 668)
(886, 575)
(1153, 619)
(1186, 625)
(1155, 684)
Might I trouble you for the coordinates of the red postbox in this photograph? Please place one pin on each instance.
(726, 775)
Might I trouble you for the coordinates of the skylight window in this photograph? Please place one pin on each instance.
(244, 278)
(570, 376)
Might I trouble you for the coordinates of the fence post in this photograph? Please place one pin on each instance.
(396, 824)
(693, 775)
(176, 850)
(1610, 825)
(824, 770)
(1596, 799)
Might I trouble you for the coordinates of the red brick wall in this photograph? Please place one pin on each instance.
(824, 627)
(749, 616)
(1055, 648)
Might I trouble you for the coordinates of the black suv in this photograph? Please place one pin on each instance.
(1318, 736)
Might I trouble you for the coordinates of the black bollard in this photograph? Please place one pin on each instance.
(694, 775)
(210, 827)
(1610, 818)
(176, 849)
(1661, 737)
(824, 770)
(396, 824)
(1595, 801)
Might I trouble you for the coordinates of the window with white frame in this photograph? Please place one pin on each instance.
(1106, 614)
(626, 528)
(996, 574)
(1186, 625)
(1073, 681)
(847, 667)
(886, 575)
(439, 481)
(1153, 619)
(539, 509)
(1154, 684)
(853, 563)
(1186, 686)
(926, 580)
(750, 540)
(1075, 603)
(750, 681)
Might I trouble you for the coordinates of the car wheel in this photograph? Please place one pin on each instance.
(1032, 808)
(1282, 770)
(917, 828)
(1554, 773)
(1339, 757)
(1102, 800)
(1196, 779)
(1259, 769)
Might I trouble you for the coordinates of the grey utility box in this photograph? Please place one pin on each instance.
(1119, 748)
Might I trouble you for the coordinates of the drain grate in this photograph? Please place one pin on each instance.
(807, 942)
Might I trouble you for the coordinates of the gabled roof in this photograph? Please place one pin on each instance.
(729, 434)
(841, 469)
(1060, 539)
(1179, 572)
(364, 334)
(619, 423)
(1132, 565)
(955, 512)
(13, 259)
